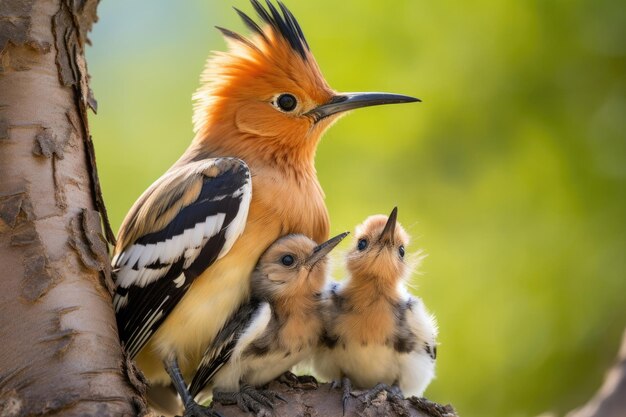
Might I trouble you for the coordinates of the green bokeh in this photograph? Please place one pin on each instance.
(511, 175)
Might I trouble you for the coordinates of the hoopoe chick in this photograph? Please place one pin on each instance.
(279, 327)
(377, 335)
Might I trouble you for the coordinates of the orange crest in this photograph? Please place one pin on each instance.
(241, 87)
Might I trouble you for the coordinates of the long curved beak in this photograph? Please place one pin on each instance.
(388, 233)
(323, 249)
(350, 101)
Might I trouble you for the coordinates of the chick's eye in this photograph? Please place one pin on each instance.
(362, 244)
(286, 102)
(287, 260)
(401, 251)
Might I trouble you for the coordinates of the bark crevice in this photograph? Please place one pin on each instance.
(70, 25)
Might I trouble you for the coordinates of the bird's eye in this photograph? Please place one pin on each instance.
(287, 260)
(286, 102)
(362, 244)
(401, 251)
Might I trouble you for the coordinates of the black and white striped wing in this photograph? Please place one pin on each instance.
(250, 318)
(179, 227)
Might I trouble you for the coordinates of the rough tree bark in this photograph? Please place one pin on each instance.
(60, 352)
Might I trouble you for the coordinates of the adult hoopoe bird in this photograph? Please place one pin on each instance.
(187, 247)
(378, 337)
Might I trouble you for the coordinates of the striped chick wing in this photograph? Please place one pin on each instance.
(251, 318)
(416, 329)
(185, 221)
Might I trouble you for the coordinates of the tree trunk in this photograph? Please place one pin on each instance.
(60, 352)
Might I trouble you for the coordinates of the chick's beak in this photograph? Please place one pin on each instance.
(387, 236)
(320, 251)
(350, 101)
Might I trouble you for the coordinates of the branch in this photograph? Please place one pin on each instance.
(326, 401)
(610, 400)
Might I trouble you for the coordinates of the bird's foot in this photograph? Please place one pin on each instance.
(392, 394)
(391, 391)
(346, 386)
(432, 408)
(249, 399)
(193, 409)
(303, 382)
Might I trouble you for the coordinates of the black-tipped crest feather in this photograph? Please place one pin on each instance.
(251, 24)
(233, 35)
(293, 22)
(284, 24)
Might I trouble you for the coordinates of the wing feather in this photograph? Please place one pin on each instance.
(240, 329)
(183, 223)
(416, 329)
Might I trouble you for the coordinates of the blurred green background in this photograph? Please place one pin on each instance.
(511, 174)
